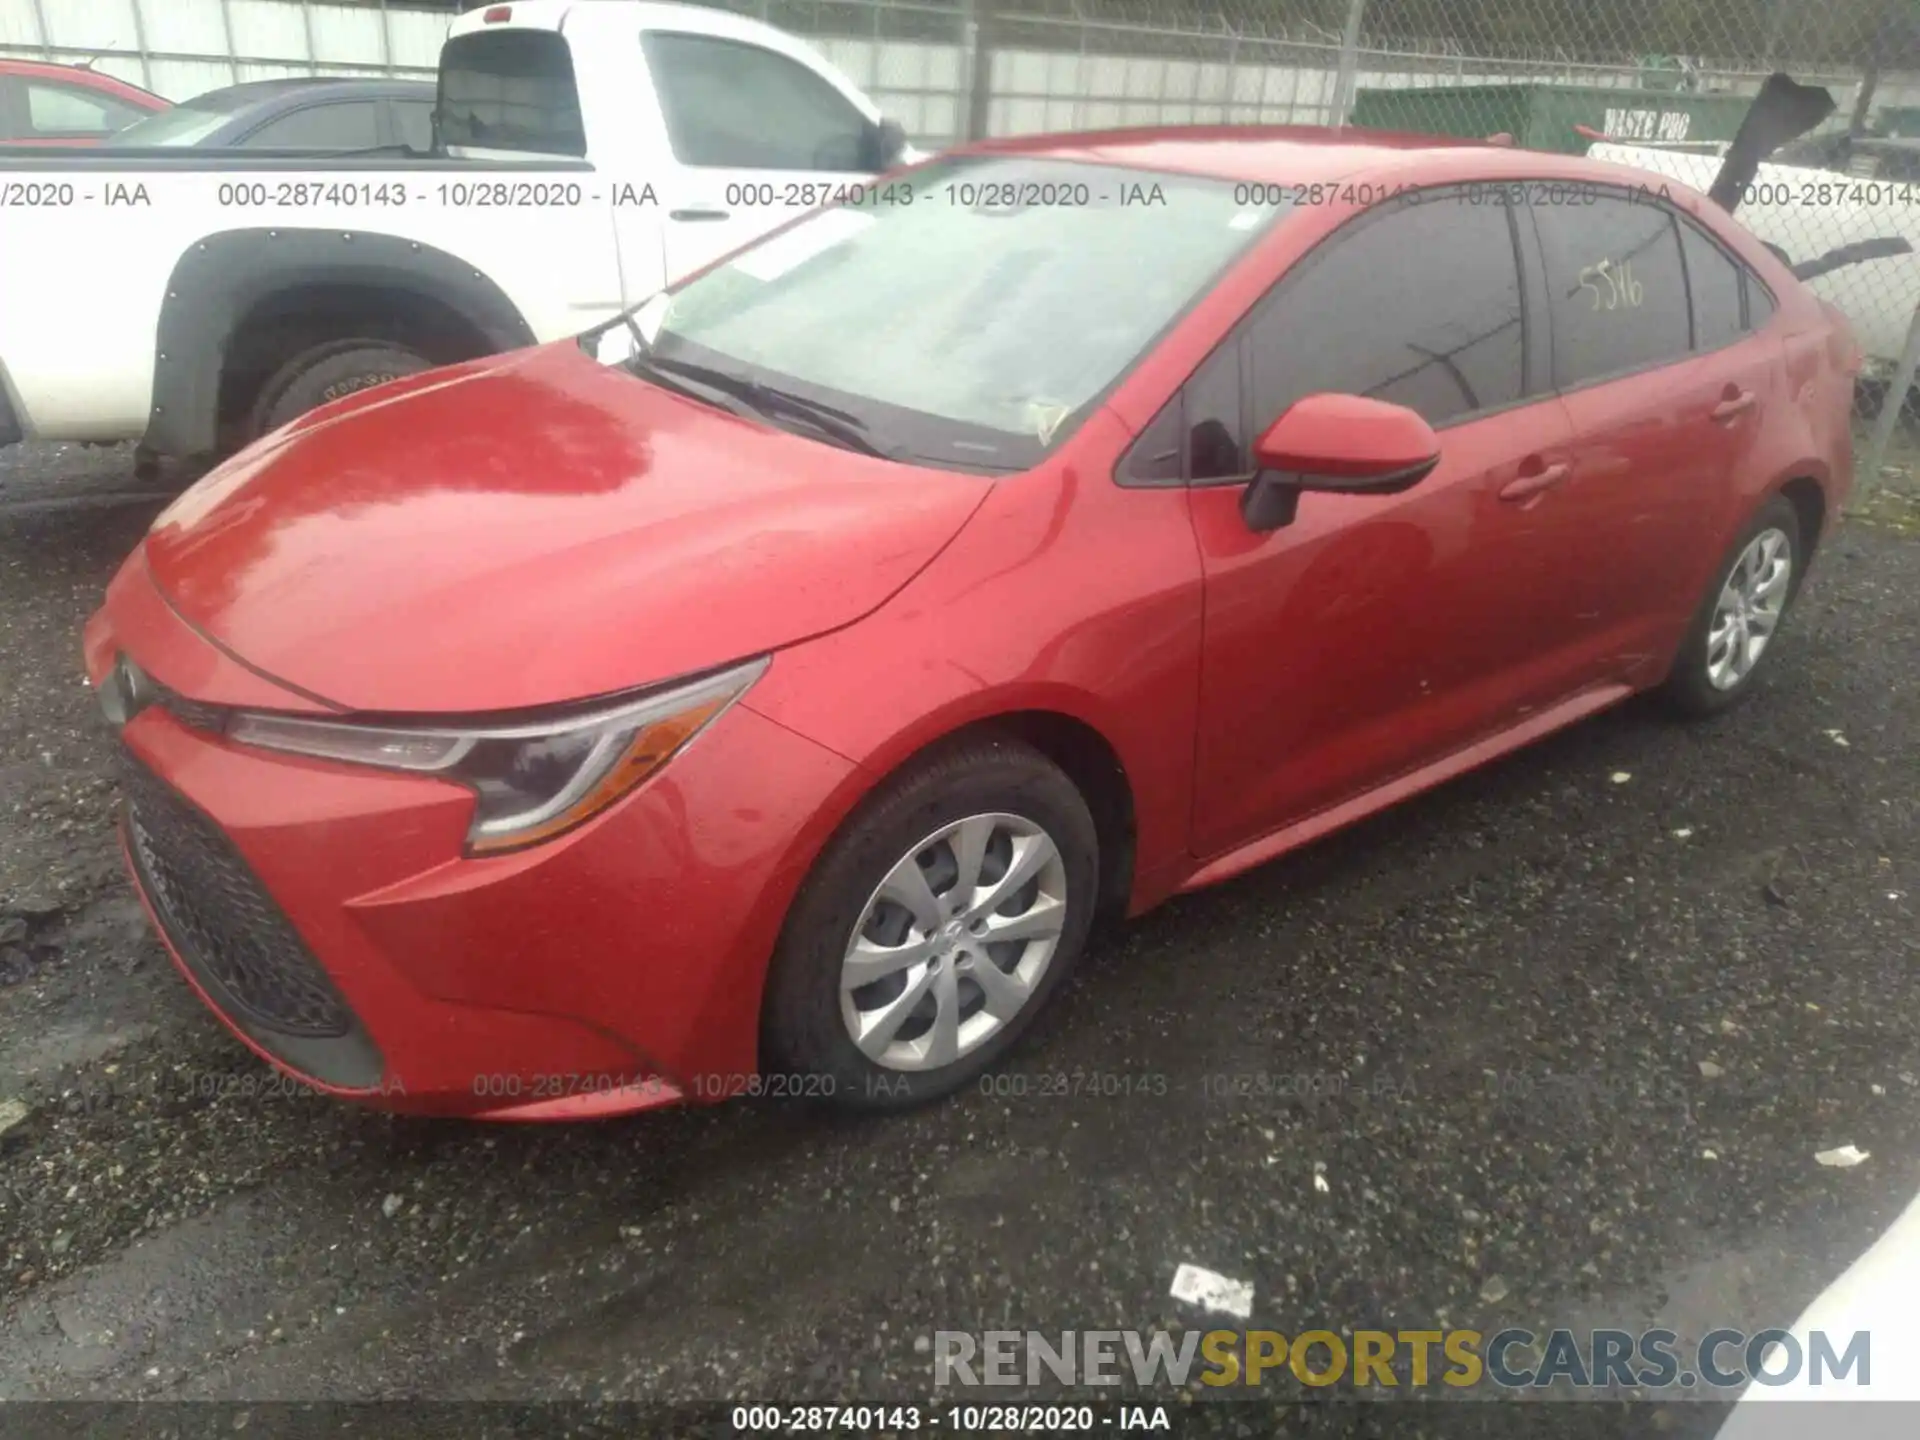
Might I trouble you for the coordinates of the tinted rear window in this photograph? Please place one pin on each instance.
(1618, 289)
(510, 90)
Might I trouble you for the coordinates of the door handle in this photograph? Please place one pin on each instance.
(1527, 486)
(699, 212)
(1735, 405)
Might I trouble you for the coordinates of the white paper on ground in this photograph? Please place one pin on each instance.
(1209, 1291)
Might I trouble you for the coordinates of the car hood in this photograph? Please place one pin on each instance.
(532, 529)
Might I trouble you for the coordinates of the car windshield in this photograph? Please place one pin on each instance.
(189, 122)
(970, 313)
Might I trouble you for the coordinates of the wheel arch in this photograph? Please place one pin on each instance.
(1066, 737)
(1812, 506)
(238, 283)
(1054, 724)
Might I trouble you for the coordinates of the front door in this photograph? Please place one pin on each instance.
(1372, 634)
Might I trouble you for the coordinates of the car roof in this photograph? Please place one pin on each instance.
(235, 98)
(74, 74)
(1303, 154)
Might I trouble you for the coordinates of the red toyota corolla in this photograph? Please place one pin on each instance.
(765, 692)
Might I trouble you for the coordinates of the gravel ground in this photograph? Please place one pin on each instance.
(1553, 1045)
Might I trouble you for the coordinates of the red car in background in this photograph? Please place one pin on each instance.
(764, 693)
(46, 104)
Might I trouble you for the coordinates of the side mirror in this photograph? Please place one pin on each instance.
(889, 143)
(1343, 444)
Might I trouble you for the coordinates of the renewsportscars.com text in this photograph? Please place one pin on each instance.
(1510, 1359)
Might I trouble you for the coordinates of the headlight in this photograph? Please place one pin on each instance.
(532, 780)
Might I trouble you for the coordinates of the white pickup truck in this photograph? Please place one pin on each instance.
(587, 152)
(1804, 207)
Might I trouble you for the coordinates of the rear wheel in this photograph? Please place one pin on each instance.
(934, 929)
(325, 373)
(1740, 615)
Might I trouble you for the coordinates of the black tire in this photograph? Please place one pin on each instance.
(328, 372)
(806, 1040)
(1688, 691)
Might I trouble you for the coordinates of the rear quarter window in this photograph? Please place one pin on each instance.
(1714, 281)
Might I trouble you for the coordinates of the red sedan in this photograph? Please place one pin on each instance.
(46, 104)
(764, 693)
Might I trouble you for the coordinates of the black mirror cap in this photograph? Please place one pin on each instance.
(1272, 498)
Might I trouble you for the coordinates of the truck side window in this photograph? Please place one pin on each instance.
(735, 106)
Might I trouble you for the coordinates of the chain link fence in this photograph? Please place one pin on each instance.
(1660, 84)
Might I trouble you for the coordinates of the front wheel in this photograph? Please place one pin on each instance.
(326, 373)
(934, 928)
(1740, 615)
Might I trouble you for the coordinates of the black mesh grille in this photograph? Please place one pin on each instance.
(220, 918)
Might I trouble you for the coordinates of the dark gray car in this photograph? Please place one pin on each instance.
(299, 113)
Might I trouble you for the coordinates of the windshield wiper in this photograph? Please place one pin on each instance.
(840, 427)
(641, 363)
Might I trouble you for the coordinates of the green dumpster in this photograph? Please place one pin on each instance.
(1902, 121)
(1545, 117)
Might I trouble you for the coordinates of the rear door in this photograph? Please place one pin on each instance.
(1373, 634)
(1665, 389)
(757, 139)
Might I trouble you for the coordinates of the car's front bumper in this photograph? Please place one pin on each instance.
(327, 914)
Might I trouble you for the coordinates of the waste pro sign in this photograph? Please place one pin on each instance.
(1561, 118)
(1624, 124)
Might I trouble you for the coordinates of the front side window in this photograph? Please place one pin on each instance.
(731, 105)
(68, 111)
(972, 328)
(349, 125)
(1417, 305)
(1616, 286)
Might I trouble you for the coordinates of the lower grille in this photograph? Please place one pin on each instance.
(227, 929)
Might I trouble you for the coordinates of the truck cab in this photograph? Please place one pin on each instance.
(586, 153)
(730, 125)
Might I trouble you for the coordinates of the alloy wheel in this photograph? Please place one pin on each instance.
(954, 942)
(1749, 608)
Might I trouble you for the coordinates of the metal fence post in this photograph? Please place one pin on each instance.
(233, 50)
(1233, 74)
(140, 44)
(978, 64)
(1888, 420)
(1349, 63)
(1080, 72)
(306, 21)
(46, 35)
